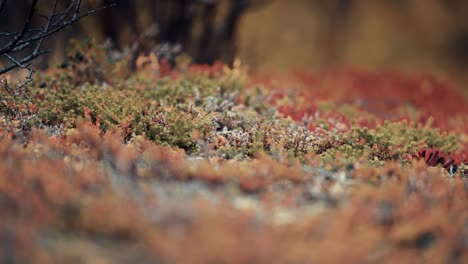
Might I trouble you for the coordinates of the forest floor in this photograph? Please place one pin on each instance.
(191, 163)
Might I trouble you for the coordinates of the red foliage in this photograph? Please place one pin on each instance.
(380, 93)
(164, 67)
(213, 70)
(387, 88)
(434, 157)
(294, 113)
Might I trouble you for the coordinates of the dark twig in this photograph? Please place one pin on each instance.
(10, 46)
(2, 5)
(33, 38)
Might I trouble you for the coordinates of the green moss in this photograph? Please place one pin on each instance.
(175, 127)
(391, 140)
(171, 123)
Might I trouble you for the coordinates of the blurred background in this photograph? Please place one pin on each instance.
(280, 35)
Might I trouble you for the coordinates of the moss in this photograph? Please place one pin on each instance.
(170, 123)
(391, 140)
(174, 127)
(229, 152)
(171, 110)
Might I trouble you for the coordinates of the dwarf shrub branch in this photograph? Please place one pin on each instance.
(19, 48)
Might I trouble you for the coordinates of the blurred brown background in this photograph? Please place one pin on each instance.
(414, 35)
(277, 35)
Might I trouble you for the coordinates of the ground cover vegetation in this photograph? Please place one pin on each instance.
(182, 163)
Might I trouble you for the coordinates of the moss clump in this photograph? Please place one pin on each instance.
(392, 140)
(127, 112)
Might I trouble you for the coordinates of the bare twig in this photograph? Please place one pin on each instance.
(2, 5)
(33, 38)
(10, 46)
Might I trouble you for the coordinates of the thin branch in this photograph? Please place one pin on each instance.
(69, 23)
(2, 5)
(26, 67)
(9, 34)
(26, 81)
(77, 10)
(24, 60)
(33, 38)
(65, 13)
(19, 36)
(19, 64)
(47, 27)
